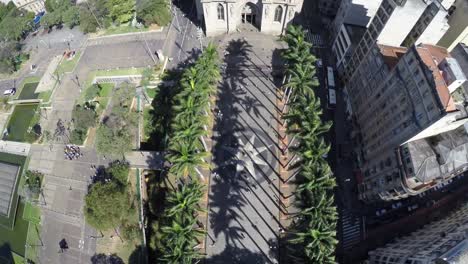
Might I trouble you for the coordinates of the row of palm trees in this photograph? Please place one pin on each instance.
(316, 226)
(187, 151)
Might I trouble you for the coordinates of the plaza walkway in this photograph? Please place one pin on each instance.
(243, 224)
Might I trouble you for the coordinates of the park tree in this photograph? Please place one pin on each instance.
(106, 205)
(121, 11)
(88, 23)
(154, 12)
(8, 51)
(93, 91)
(15, 24)
(83, 117)
(119, 171)
(71, 17)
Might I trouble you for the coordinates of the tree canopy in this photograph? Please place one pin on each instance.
(121, 11)
(105, 205)
(115, 134)
(154, 12)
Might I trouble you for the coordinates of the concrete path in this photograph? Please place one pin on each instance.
(243, 204)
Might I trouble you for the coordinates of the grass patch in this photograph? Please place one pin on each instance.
(32, 213)
(122, 29)
(45, 96)
(33, 243)
(106, 89)
(16, 237)
(151, 92)
(22, 119)
(67, 66)
(147, 129)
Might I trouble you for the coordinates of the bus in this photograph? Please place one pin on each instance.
(331, 88)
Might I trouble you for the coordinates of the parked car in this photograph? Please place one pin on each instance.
(319, 63)
(396, 205)
(380, 212)
(9, 92)
(412, 207)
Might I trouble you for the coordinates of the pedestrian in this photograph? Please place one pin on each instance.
(70, 188)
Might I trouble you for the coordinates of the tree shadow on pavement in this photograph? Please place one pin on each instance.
(227, 218)
(102, 258)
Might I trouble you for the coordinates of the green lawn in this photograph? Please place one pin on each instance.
(151, 92)
(23, 117)
(146, 123)
(15, 238)
(32, 213)
(68, 65)
(122, 29)
(106, 89)
(33, 242)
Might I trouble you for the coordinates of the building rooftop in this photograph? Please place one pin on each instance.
(439, 155)
(391, 55)
(360, 12)
(431, 56)
(8, 179)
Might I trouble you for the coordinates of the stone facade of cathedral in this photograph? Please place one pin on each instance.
(268, 16)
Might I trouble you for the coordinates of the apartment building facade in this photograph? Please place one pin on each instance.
(400, 95)
(388, 22)
(441, 242)
(329, 7)
(225, 16)
(34, 6)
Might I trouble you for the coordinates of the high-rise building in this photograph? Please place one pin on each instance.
(442, 242)
(225, 16)
(361, 23)
(458, 21)
(328, 7)
(406, 107)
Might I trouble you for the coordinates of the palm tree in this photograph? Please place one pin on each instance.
(185, 202)
(186, 159)
(319, 244)
(303, 122)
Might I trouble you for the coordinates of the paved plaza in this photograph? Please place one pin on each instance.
(243, 213)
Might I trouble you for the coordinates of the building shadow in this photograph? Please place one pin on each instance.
(189, 10)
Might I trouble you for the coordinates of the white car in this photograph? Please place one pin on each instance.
(9, 92)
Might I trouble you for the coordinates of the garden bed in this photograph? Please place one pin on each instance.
(66, 65)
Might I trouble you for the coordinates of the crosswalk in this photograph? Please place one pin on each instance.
(350, 227)
(315, 39)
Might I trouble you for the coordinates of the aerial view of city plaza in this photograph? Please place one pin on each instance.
(234, 131)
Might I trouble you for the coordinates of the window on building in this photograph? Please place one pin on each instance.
(278, 13)
(220, 12)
